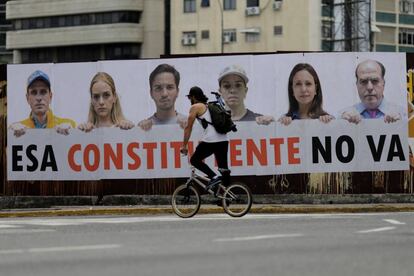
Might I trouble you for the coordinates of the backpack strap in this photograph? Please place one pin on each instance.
(203, 121)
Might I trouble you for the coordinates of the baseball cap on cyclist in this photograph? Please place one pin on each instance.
(233, 70)
(197, 93)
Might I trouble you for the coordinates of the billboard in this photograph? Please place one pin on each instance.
(295, 113)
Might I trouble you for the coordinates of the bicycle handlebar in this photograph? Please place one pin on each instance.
(218, 98)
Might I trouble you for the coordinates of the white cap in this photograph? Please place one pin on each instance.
(234, 70)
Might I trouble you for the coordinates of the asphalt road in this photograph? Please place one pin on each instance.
(299, 244)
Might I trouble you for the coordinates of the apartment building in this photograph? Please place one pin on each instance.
(228, 26)
(395, 21)
(5, 55)
(85, 30)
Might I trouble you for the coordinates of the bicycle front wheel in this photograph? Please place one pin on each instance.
(186, 201)
(237, 200)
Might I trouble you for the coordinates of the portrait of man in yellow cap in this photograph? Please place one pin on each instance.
(39, 96)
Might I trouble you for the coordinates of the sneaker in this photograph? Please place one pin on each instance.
(213, 182)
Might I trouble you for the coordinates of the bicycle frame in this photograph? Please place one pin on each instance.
(198, 178)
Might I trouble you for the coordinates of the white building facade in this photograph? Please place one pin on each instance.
(85, 30)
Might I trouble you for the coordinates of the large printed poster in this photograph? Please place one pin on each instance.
(295, 113)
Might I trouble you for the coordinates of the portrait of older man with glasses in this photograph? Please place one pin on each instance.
(370, 84)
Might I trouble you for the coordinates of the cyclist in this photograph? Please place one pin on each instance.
(212, 142)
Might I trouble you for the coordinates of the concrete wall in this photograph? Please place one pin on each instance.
(153, 20)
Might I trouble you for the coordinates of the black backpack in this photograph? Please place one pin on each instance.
(220, 118)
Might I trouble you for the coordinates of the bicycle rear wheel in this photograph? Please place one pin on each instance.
(186, 201)
(237, 200)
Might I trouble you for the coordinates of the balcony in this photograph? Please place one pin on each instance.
(80, 35)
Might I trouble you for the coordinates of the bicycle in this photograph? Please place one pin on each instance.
(236, 199)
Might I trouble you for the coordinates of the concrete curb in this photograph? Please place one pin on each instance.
(16, 202)
(33, 206)
(13, 202)
(205, 209)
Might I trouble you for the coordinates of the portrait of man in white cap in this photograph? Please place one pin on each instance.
(39, 96)
(233, 88)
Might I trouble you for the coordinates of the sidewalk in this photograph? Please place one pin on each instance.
(155, 205)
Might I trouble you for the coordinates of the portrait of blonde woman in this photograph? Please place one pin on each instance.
(105, 107)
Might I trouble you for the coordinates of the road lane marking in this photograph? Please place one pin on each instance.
(2, 226)
(111, 220)
(25, 231)
(254, 238)
(377, 229)
(60, 249)
(74, 221)
(393, 221)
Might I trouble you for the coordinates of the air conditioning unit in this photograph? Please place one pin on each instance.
(226, 39)
(277, 5)
(191, 40)
(188, 41)
(252, 11)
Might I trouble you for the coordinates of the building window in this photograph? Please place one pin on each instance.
(48, 22)
(278, 30)
(122, 51)
(38, 55)
(82, 53)
(189, 6)
(3, 38)
(406, 36)
(229, 4)
(252, 3)
(84, 19)
(205, 34)
(78, 53)
(25, 24)
(407, 6)
(327, 8)
(326, 29)
(61, 22)
(229, 35)
(205, 3)
(39, 24)
(188, 38)
(252, 37)
(107, 18)
(99, 18)
(17, 24)
(77, 20)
